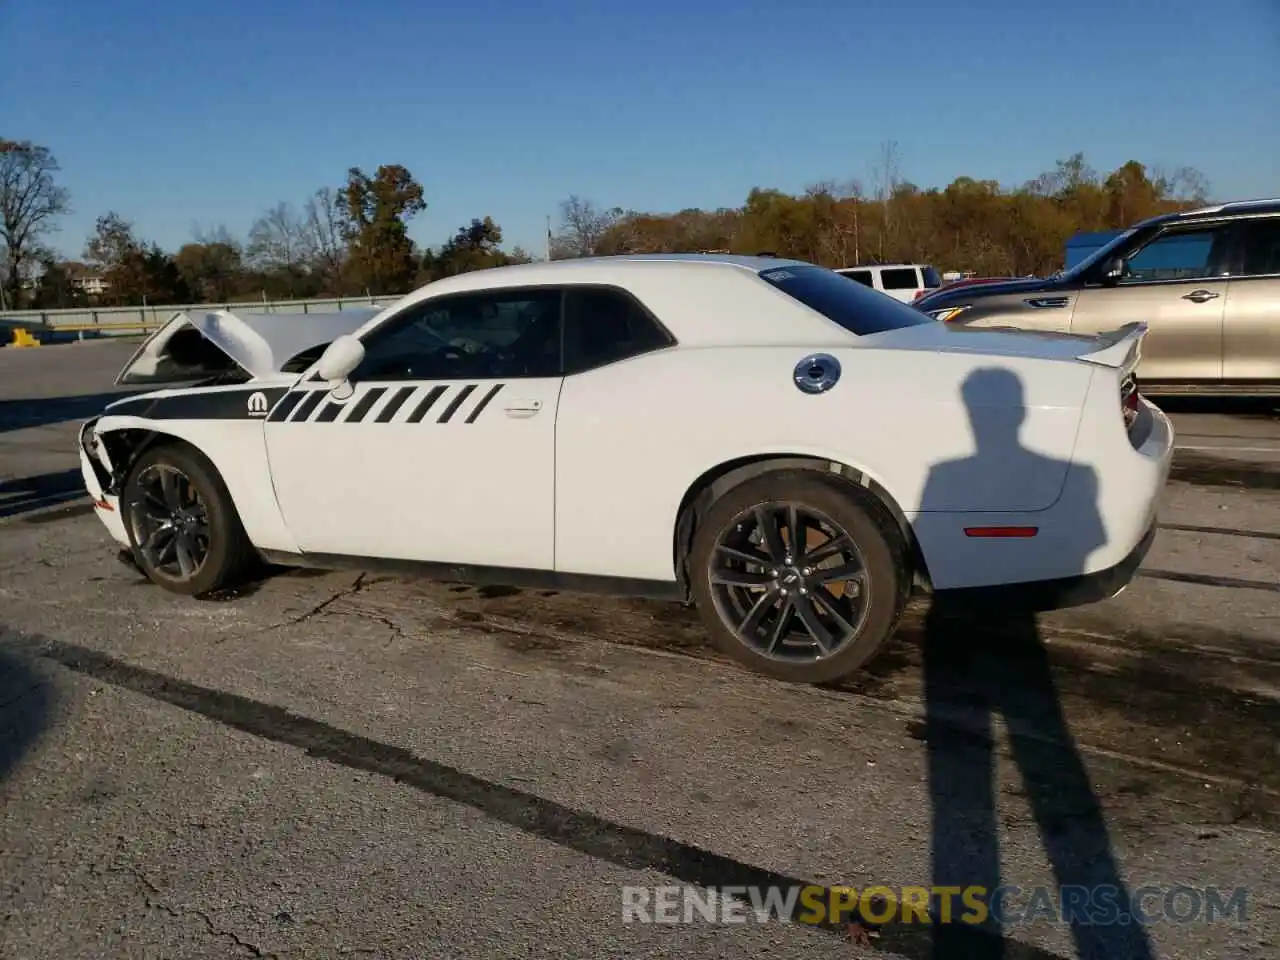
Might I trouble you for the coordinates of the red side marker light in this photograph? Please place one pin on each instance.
(102, 505)
(1001, 531)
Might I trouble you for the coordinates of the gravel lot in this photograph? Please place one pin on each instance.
(324, 764)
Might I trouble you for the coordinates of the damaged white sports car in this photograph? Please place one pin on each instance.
(789, 450)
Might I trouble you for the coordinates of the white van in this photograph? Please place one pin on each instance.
(902, 281)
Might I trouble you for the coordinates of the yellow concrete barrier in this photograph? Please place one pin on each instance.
(23, 338)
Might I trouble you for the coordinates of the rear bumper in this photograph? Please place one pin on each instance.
(1041, 595)
(1096, 533)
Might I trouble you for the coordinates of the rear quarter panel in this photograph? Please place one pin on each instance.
(632, 438)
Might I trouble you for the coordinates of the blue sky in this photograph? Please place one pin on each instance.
(185, 114)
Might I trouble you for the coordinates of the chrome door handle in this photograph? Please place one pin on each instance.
(1200, 296)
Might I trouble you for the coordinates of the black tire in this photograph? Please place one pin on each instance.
(879, 549)
(228, 555)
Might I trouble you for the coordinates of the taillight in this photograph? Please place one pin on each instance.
(1129, 400)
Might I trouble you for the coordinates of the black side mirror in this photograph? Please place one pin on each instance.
(1113, 270)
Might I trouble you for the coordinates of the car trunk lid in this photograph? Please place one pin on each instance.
(1115, 349)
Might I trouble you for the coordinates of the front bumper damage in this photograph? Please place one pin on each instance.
(101, 481)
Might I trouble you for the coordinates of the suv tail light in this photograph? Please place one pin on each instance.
(1129, 400)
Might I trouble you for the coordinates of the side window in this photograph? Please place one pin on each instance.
(604, 325)
(862, 276)
(1262, 249)
(498, 333)
(902, 278)
(1179, 255)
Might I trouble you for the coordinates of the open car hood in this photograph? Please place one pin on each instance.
(196, 346)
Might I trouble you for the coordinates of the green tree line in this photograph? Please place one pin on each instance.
(352, 238)
(968, 225)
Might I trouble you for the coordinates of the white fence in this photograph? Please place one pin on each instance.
(124, 319)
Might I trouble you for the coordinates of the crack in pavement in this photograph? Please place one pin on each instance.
(356, 586)
(151, 892)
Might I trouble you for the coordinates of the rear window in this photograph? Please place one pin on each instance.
(901, 278)
(859, 310)
(932, 280)
(862, 276)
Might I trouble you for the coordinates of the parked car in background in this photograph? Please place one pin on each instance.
(902, 281)
(970, 281)
(1207, 282)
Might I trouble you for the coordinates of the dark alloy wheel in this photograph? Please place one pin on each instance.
(169, 522)
(798, 576)
(790, 580)
(183, 529)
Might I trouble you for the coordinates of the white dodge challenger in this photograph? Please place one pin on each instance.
(787, 449)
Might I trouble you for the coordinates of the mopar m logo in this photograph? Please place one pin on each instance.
(257, 404)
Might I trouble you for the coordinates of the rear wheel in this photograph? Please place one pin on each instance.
(183, 528)
(799, 576)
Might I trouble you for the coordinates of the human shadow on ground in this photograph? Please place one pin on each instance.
(980, 660)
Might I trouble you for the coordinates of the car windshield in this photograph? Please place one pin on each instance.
(1106, 250)
(858, 309)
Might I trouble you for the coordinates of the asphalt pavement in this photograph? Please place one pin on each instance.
(324, 764)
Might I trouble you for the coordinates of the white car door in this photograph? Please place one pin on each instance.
(444, 451)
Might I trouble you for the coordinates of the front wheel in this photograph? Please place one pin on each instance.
(182, 526)
(798, 576)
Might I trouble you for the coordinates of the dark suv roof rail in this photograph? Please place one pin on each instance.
(1234, 206)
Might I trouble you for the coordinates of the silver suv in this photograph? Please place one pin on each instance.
(1206, 281)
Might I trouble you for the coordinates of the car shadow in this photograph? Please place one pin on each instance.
(38, 412)
(26, 706)
(980, 662)
(28, 494)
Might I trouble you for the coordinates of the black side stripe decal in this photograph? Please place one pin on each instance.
(421, 411)
(298, 406)
(328, 413)
(309, 404)
(395, 403)
(362, 406)
(484, 402)
(456, 402)
(285, 407)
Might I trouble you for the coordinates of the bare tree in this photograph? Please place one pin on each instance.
(215, 236)
(325, 235)
(886, 175)
(29, 200)
(277, 240)
(112, 240)
(582, 227)
(840, 227)
(1184, 184)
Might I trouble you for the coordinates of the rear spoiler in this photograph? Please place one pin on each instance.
(1119, 349)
